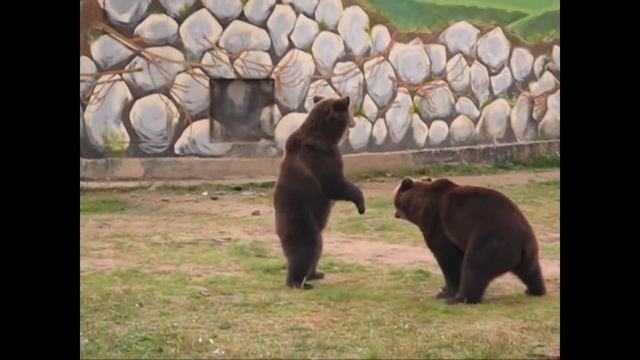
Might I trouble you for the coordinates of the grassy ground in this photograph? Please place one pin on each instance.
(171, 272)
(532, 20)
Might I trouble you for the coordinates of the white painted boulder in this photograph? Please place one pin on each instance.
(379, 132)
(257, 11)
(438, 133)
(327, 48)
(460, 38)
(253, 64)
(360, 134)
(410, 62)
(380, 87)
(354, 29)
(435, 101)
(196, 140)
(154, 118)
(199, 32)
(191, 91)
(286, 126)
(108, 52)
(224, 10)
(419, 130)
(103, 115)
(216, 64)
(465, 106)
(348, 80)
(494, 49)
(398, 116)
(155, 76)
(462, 130)
(157, 29)
(304, 32)
(292, 78)
(458, 74)
(241, 36)
(280, 25)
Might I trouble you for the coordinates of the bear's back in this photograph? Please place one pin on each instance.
(473, 211)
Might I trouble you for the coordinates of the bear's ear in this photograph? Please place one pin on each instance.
(342, 104)
(317, 99)
(406, 184)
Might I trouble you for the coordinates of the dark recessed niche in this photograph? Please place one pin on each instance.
(242, 106)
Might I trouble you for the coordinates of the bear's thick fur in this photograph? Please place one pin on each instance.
(310, 180)
(476, 234)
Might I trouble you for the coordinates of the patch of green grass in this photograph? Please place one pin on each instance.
(549, 250)
(183, 294)
(539, 201)
(225, 326)
(103, 205)
(540, 162)
(546, 161)
(274, 268)
(211, 187)
(184, 189)
(253, 249)
(435, 170)
(379, 222)
(366, 311)
(337, 266)
(420, 274)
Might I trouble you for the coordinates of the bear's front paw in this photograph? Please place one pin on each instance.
(446, 294)
(454, 300)
(538, 292)
(299, 285)
(458, 299)
(316, 276)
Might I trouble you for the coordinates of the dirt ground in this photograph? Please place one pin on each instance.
(195, 270)
(166, 211)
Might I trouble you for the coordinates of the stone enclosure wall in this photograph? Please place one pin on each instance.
(146, 89)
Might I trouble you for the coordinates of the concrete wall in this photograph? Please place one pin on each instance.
(114, 169)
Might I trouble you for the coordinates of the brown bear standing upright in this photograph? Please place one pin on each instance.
(476, 234)
(310, 180)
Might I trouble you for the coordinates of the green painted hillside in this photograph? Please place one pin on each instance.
(532, 20)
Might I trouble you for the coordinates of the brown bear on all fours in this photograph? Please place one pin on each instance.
(310, 180)
(476, 234)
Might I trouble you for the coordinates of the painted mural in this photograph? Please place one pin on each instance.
(216, 77)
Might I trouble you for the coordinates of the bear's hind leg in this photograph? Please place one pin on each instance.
(529, 272)
(472, 288)
(483, 262)
(300, 265)
(302, 253)
(316, 275)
